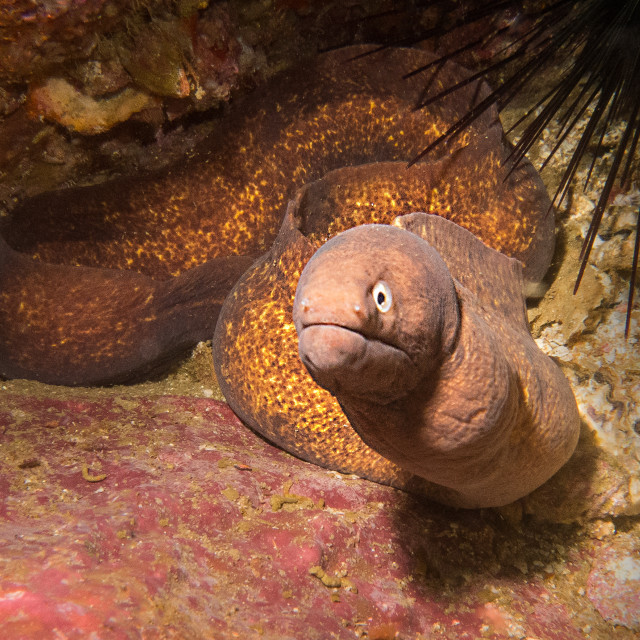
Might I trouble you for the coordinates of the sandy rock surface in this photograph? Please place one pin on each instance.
(164, 517)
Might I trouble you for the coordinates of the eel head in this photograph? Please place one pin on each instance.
(376, 312)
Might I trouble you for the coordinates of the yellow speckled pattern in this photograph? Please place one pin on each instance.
(256, 346)
(262, 377)
(507, 211)
(230, 196)
(74, 325)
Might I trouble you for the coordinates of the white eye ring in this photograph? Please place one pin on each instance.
(381, 293)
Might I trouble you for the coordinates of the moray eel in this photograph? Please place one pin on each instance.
(423, 340)
(466, 371)
(101, 284)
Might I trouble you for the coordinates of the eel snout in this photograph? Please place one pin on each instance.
(345, 362)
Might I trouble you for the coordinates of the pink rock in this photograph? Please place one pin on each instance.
(201, 529)
(614, 582)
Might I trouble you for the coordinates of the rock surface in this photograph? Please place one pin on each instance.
(164, 517)
(614, 582)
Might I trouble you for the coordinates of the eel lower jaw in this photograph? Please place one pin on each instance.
(351, 365)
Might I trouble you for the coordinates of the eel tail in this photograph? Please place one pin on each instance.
(87, 326)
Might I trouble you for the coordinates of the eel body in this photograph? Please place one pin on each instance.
(100, 284)
(514, 406)
(227, 199)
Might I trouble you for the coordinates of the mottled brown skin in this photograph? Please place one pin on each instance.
(351, 121)
(80, 326)
(228, 199)
(442, 379)
(230, 196)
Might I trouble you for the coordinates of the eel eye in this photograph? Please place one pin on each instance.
(382, 296)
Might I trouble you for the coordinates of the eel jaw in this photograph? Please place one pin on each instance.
(350, 365)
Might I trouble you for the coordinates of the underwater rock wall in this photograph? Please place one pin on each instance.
(165, 517)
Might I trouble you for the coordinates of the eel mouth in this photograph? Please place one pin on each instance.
(345, 362)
